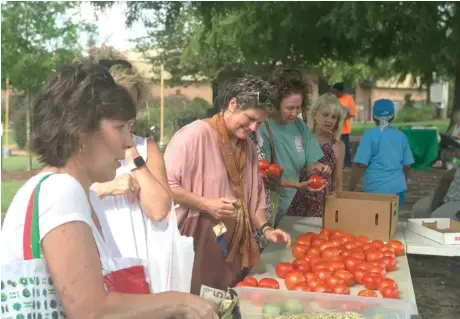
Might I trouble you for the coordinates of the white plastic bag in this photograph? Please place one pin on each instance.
(170, 255)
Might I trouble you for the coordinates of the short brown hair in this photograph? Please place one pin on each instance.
(286, 82)
(76, 99)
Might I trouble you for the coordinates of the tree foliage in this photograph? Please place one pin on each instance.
(393, 38)
(36, 37)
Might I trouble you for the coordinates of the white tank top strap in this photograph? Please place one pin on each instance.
(141, 145)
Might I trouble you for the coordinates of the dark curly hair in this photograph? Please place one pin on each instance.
(76, 99)
(286, 82)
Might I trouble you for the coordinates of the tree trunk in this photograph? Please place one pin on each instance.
(28, 128)
(456, 104)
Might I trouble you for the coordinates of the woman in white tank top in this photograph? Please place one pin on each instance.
(140, 187)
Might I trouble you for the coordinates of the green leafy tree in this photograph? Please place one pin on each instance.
(36, 38)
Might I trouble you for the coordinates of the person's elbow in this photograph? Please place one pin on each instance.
(157, 210)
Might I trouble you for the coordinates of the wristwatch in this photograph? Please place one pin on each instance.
(136, 163)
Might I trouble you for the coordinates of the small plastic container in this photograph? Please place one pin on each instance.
(253, 300)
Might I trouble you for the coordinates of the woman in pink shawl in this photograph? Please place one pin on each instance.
(213, 172)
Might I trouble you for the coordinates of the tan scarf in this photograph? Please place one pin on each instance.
(235, 161)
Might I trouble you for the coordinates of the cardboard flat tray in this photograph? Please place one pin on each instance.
(441, 230)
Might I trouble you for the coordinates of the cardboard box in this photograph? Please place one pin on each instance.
(373, 215)
(445, 231)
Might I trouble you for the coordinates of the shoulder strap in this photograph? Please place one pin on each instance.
(272, 144)
(31, 238)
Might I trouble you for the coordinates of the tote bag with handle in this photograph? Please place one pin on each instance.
(170, 255)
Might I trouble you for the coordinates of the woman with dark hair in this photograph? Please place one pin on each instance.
(213, 172)
(295, 146)
(81, 130)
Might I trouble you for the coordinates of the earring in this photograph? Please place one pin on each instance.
(82, 147)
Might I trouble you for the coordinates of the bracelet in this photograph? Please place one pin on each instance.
(264, 227)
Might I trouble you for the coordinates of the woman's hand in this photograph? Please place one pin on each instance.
(273, 182)
(277, 236)
(125, 185)
(306, 185)
(221, 207)
(320, 168)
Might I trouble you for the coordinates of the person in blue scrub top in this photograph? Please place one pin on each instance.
(383, 158)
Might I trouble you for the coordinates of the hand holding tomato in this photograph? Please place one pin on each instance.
(320, 168)
(308, 186)
(278, 236)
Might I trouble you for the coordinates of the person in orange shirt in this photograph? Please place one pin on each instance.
(349, 107)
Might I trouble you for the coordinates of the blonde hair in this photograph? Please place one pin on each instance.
(125, 76)
(327, 102)
(131, 80)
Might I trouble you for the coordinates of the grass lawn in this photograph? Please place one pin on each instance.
(359, 128)
(19, 162)
(9, 189)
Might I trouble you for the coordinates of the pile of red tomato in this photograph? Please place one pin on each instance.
(332, 261)
(265, 166)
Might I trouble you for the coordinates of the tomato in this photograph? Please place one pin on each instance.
(377, 244)
(351, 263)
(341, 290)
(303, 286)
(293, 278)
(325, 246)
(299, 251)
(322, 265)
(390, 292)
(367, 293)
(334, 281)
(269, 283)
(317, 241)
(336, 242)
(367, 247)
(390, 263)
(312, 283)
(346, 253)
(251, 280)
(378, 270)
(346, 276)
(282, 269)
(309, 276)
(304, 239)
(316, 181)
(301, 264)
(321, 288)
(388, 252)
(363, 266)
(330, 252)
(274, 170)
(314, 260)
(244, 284)
(347, 239)
(397, 246)
(263, 164)
(323, 274)
(263, 173)
(362, 239)
(349, 245)
(337, 233)
(387, 282)
(359, 274)
(359, 254)
(325, 231)
(337, 265)
(372, 280)
(378, 263)
(374, 254)
(313, 251)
